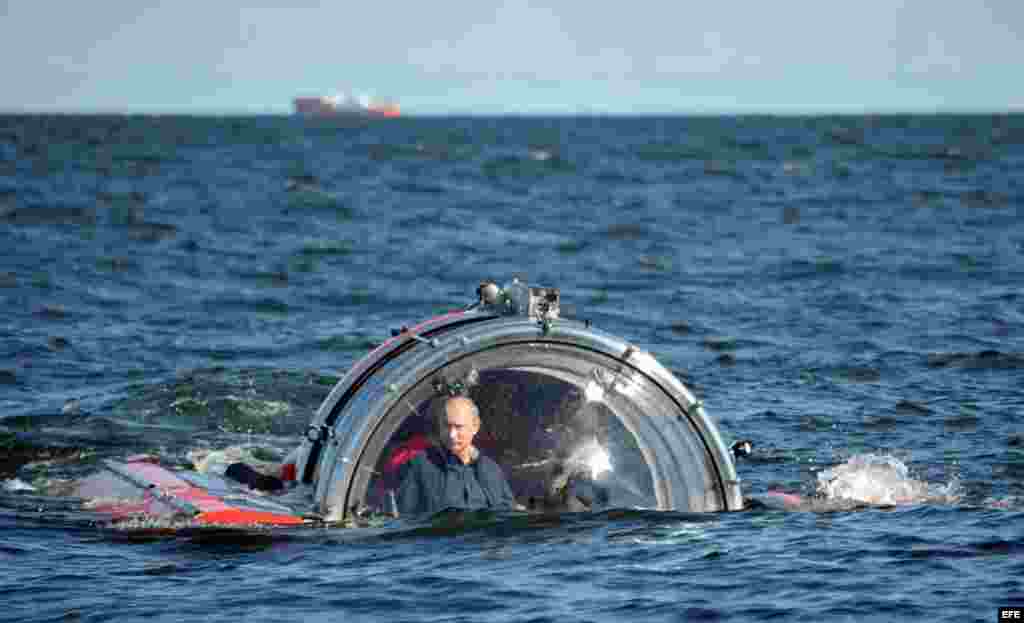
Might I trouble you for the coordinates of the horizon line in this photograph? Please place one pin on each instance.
(810, 112)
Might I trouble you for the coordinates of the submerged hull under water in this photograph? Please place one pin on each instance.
(577, 419)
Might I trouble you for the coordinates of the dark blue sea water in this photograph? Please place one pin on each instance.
(843, 291)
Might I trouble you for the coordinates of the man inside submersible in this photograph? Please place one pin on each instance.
(454, 475)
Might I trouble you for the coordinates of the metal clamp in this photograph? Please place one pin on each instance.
(319, 434)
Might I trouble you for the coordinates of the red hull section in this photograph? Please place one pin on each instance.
(142, 489)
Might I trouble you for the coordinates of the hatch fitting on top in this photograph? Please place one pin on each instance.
(516, 298)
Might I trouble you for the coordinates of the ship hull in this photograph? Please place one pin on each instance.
(333, 107)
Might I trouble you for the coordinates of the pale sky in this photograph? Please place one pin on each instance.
(486, 57)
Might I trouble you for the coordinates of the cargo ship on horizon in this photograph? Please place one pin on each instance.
(344, 105)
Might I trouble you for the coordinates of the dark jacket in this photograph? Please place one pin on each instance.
(435, 480)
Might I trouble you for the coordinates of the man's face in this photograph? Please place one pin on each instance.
(460, 425)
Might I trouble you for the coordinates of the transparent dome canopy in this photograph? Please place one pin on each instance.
(576, 419)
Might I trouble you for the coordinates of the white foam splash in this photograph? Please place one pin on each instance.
(880, 479)
(15, 484)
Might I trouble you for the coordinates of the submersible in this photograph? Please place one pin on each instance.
(564, 406)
